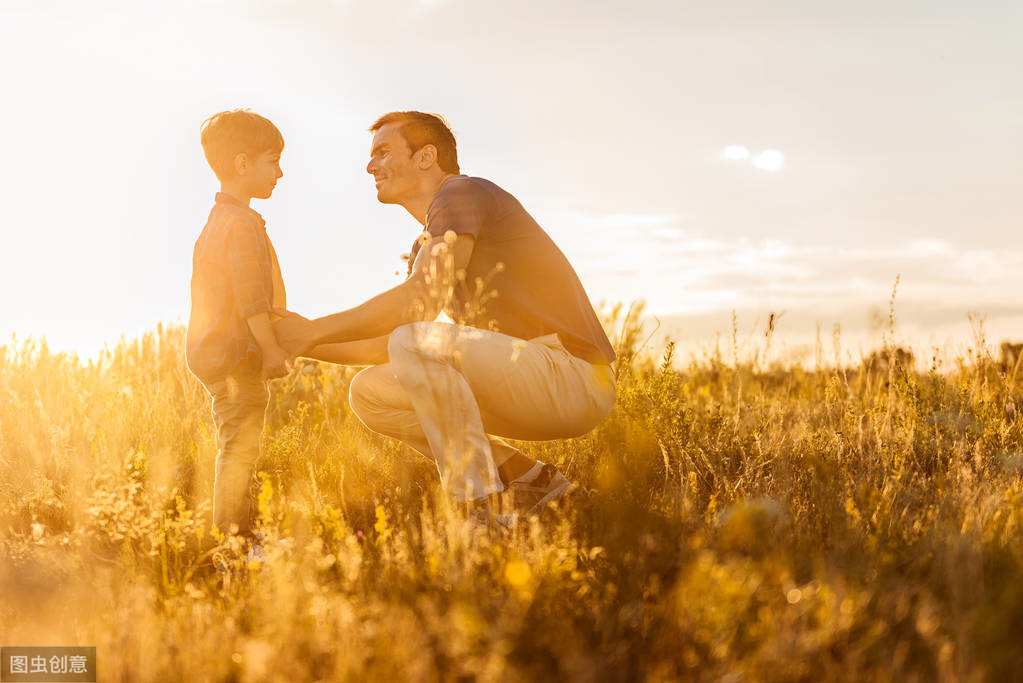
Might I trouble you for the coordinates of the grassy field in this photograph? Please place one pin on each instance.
(749, 523)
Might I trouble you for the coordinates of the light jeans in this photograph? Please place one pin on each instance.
(239, 407)
(450, 391)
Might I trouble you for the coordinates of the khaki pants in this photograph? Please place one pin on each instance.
(450, 392)
(239, 407)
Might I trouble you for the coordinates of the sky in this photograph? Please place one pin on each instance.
(701, 156)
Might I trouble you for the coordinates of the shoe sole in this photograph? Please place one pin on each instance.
(560, 491)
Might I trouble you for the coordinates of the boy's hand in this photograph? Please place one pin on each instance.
(276, 363)
(294, 333)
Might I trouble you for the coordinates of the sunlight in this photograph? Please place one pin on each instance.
(690, 410)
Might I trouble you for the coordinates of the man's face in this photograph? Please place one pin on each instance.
(391, 165)
(263, 172)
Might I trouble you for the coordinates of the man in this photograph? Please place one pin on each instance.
(526, 358)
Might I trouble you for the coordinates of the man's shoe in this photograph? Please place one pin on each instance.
(483, 513)
(546, 487)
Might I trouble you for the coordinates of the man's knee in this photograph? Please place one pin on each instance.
(423, 339)
(371, 395)
(403, 339)
(362, 396)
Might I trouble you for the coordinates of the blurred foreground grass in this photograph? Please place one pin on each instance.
(749, 523)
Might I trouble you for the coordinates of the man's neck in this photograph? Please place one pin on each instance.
(418, 205)
(235, 190)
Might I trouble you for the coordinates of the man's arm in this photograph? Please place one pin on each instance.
(421, 297)
(361, 352)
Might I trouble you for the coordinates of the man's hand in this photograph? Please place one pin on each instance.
(295, 333)
(276, 363)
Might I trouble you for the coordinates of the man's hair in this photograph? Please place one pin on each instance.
(227, 134)
(421, 129)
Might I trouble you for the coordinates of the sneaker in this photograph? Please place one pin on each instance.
(484, 513)
(546, 487)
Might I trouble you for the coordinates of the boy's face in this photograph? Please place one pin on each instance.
(262, 172)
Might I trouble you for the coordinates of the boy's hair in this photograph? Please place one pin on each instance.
(421, 129)
(227, 134)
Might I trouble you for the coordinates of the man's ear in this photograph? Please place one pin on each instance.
(426, 156)
(241, 163)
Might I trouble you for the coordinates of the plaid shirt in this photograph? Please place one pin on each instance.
(235, 275)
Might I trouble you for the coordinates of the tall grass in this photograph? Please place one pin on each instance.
(747, 522)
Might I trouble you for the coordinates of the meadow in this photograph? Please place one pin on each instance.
(743, 520)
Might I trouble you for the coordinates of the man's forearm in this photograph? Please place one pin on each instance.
(408, 302)
(362, 352)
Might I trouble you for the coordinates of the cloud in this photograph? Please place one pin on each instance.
(623, 257)
(929, 248)
(734, 154)
(769, 160)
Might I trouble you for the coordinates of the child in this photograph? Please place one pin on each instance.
(236, 283)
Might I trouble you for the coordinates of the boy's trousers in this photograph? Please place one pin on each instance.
(239, 407)
(448, 388)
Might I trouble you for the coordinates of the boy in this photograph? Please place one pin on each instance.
(236, 283)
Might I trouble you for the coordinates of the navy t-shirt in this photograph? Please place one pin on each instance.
(517, 282)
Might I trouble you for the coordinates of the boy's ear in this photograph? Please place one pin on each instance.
(241, 163)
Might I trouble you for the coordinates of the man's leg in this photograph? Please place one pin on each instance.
(239, 407)
(378, 399)
(458, 377)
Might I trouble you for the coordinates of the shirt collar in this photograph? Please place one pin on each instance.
(224, 198)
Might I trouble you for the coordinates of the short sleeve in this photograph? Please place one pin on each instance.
(461, 206)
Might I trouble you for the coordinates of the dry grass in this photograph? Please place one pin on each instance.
(750, 523)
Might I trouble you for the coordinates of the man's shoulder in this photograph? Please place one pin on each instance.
(463, 191)
(479, 184)
(466, 185)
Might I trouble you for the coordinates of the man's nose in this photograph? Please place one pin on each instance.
(371, 165)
